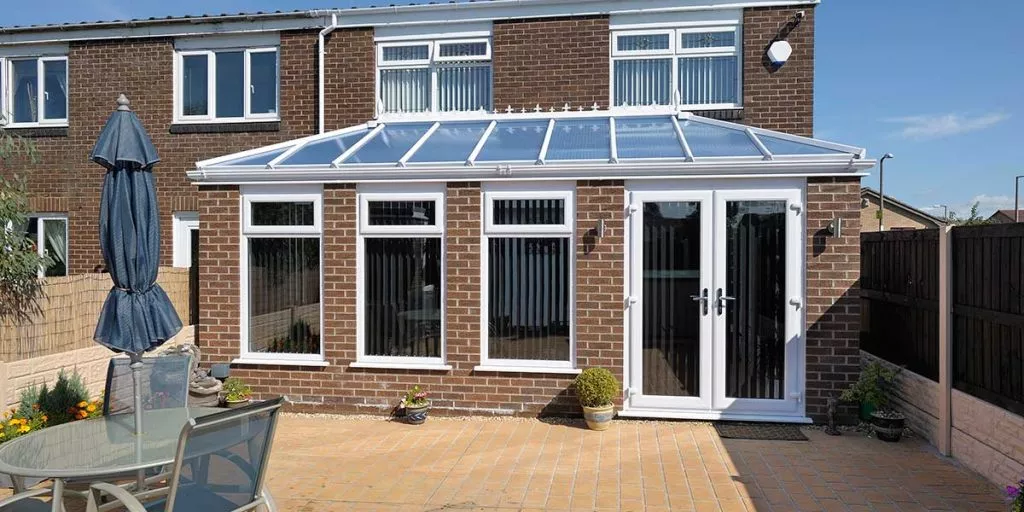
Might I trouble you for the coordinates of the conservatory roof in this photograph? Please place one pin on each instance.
(532, 145)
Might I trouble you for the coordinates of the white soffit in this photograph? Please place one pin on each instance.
(675, 19)
(34, 50)
(217, 41)
(469, 29)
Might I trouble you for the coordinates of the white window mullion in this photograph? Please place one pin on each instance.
(247, 83)
(211, 85)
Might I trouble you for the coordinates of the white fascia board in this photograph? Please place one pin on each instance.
(650, 20)
(170, 29)
(468, 30)
(219, 41)
(629, 170)
(35, 50)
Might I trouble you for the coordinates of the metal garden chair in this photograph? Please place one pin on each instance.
(164, 384)
(220, 466)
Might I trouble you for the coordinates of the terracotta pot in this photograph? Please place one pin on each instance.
(416, 415)
(599, 418)
(236, 404)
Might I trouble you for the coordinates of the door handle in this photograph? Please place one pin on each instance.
(703, 299)
(720, 300)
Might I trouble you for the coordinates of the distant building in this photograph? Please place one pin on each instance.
(898, 215)
(1006, 217)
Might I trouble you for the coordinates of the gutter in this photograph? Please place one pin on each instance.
(321, 72)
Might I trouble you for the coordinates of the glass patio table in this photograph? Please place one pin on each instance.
(98, 448)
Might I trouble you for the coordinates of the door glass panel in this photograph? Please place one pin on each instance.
(755, 275)
(671, 318)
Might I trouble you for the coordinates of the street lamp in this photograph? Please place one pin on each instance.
(1016, 198)
(881, 189)
(945, 211)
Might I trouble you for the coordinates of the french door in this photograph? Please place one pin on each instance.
(715, 310)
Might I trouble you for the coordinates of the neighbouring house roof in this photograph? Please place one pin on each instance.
(409, 13)
(1003, 216)
(537, 145)
(891, 202)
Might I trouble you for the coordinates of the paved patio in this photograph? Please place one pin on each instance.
(338, 463)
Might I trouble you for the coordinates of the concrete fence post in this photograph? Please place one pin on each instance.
(945, 433)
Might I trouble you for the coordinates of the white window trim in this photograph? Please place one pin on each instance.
(277, 193)
(182, 223)
(538, 190)
(7, 88)
(211, 87)
(408, 192)
(41, 218)
(676, 52)
(434, 62)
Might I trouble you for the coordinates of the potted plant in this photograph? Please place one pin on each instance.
(236, 392)
(871, 391)
(416, 406)
(596, 388)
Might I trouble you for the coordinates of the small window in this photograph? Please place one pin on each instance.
(401, 312)
(529, 277)
(227, 85)
(35, 90)
(685, 67)
(49, 234)
(434, 76)
(281, 274)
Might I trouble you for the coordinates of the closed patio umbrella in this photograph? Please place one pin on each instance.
(137, 315)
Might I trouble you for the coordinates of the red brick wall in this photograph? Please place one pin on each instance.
(551, 62)
(349, 84)
(833, 302)
(778, 99)
(219, 285)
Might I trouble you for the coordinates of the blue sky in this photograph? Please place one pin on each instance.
(937, 83)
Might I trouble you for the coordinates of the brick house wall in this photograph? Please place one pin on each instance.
(779, 99)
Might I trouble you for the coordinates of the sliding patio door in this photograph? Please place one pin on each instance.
(716, 307)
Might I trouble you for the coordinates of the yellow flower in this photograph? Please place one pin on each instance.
(82, 404)
(45, 418)
(91, 408)
(24, 428)
(15, 422)
(2, 435)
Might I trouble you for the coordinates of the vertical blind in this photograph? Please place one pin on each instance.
(464, 87)
(643, 82)
(284, 295)
(405, 90)
(708, 80)
(402, 315)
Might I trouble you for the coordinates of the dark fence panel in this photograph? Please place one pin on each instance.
(988, 313)
(899, 292)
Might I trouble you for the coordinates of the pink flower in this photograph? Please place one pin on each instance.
(421, 395)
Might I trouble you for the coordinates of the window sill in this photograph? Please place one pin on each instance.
(402, 366)
(280, 362)
(527, 369)
(180, 127)
(38, 131)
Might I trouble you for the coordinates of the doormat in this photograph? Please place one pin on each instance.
(759, 431)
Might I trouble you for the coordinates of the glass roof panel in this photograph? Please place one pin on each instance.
(390, 145)
(514, 140)
(323, 152)
(779, 146)
(257, 159)
(451, 142)
(580, 139)
(713, 140)
(647, 137)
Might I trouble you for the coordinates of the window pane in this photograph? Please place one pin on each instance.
(323, 152)
(402, 213)
(528, 301)
(405, 53)
(779, 146)
(463, 50)
(711, 140)
(405, 90)
(55, 243)
(529, 211)
(647, 137)
(580, 139)
(258, 159)
(25, 91)
(263, 75)
(284, 295)
(230, 84)
(388, 146)
(194, 90)
(450, 142)
(708, 80)
(55, 100)
(643, 82)
(282, 214)
(708, 39)
(514, 140)
(403, 297)
(643, 42)
(461, 88)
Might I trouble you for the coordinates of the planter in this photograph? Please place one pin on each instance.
(234, 404)
(888, 426)
(866, 410)
(416, 415)
(599, 418)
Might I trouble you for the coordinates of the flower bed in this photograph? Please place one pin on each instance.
(43, 407)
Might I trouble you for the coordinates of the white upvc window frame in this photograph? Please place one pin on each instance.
(40, 240)
(675, 52)
(252, 194)
(368, 193)
(7, 88)
(433, 62)
(211, 86)
(565, 191)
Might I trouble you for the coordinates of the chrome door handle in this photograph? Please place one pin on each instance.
(703, 299)
(720, 300)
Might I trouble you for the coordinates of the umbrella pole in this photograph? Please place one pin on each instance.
(136, 366)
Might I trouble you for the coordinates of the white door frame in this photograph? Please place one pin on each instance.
(713, 404)
(182, 223)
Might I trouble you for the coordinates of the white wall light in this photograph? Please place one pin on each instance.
(779, 52)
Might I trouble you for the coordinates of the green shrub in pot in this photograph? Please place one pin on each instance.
(596, 389)
(236, 392)
(872, 390)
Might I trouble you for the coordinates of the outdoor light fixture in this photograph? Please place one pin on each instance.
(881, 189)
(835, 227)
(779, 52)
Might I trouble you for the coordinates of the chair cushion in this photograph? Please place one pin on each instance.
(27, 505)
(193, 497)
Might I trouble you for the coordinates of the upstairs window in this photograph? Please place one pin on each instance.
(434, 76)
(35, 90)
(685, 67)
(226, 85)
